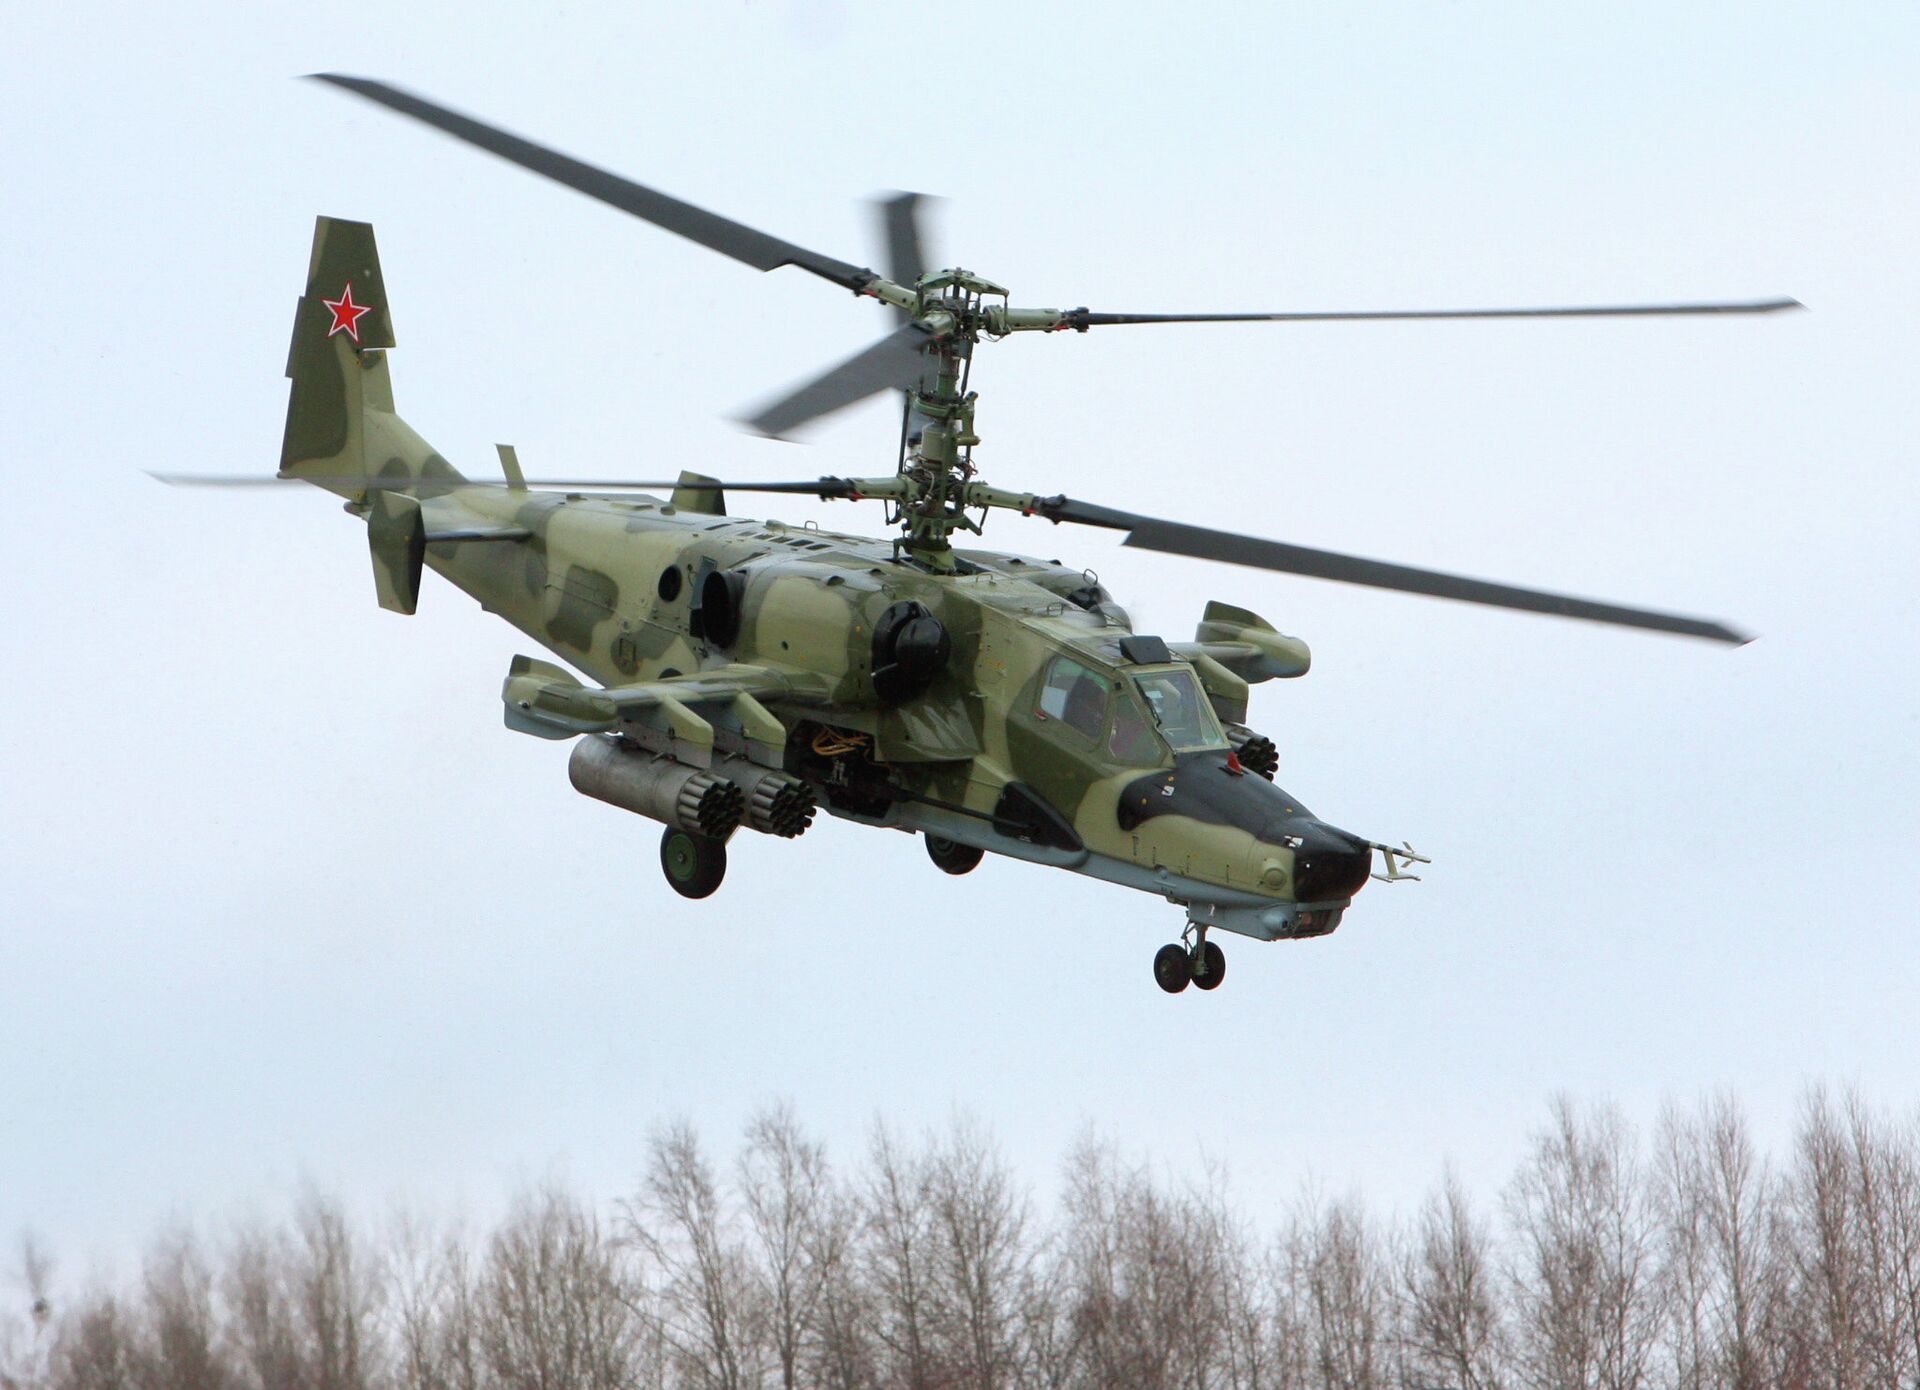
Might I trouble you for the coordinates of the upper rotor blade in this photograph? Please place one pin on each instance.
(895, 361)
(1174, 538)
(817, 487)
(709, 229)
(900, 220)
(1083, 319)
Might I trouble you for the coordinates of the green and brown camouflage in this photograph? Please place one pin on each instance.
(994, 701)
(745, 672)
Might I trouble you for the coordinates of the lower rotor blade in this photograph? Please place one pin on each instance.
(896, 361)
(1198, 542)
(818, 487)
(1082, 319)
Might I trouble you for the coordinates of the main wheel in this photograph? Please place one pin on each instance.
(693, 864)
(1172, 968)
(952, 857)
(1212, 967)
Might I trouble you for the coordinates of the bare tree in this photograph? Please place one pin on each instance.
(95, 1349)
(898, 1257)
(1117, 1249)
(26, 1336)
(980, 1261)
(182, 1344)
(1827, 1266)
(1047, 1339)
(1681, 1197)
(712, 1317)
(1902, 1185)
(1740, 1201)
(336, 1294)
(1237, 1325)
(842, 1355)
(1290, 1340)
(1882, 1179)
(1586, 1306)
(1699, 1269)
(554, 1308)
(1450, 1293)
(798, 1234)
(36, 1275)
(435, 1326)
(261, 1332)
(1340, 1277)
(1162, 1285)
(1205, 1246)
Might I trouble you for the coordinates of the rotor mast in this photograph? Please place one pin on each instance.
(936, 455)
(934, 485)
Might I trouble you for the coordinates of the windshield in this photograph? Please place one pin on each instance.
(1132, 741)
(1182, 716)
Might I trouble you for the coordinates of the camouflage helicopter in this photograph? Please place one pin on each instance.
(748, 672)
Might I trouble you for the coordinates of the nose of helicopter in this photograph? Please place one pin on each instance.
(1328, 863)
(1292, 853)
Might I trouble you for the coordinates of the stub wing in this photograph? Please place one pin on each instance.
(674, 714)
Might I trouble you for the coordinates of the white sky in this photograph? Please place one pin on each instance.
(282, 898)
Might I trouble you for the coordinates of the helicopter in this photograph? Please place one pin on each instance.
(746, 673)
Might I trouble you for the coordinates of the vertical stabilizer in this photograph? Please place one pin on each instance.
(340, 420)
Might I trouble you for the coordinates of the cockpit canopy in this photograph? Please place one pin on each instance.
(1141, 715)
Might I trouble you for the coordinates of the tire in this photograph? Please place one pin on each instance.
(952, 857)
(1213, 961)
(693, 864)
(1172, 970)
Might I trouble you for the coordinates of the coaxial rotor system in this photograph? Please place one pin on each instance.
(942, 316)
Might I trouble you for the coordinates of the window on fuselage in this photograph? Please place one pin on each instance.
(1182, 716)
(1075, 696)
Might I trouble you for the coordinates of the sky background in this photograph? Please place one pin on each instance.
(283, 900)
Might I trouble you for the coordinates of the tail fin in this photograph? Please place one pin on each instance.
(340, 420)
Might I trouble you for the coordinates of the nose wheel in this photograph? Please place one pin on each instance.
(1201, 964)
(1172, 968)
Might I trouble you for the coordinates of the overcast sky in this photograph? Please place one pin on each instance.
(283, 899)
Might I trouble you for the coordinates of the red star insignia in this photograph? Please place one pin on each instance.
(346, 314)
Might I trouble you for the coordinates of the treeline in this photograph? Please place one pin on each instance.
(1683, 1257)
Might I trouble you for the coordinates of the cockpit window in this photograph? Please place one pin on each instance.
(1075, 696)
(1132, 742)
(1184, 719)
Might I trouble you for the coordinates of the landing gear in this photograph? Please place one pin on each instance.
(952, 857)
(1202, 964)
(1210, 968)
(1172, 968)
(693, 864)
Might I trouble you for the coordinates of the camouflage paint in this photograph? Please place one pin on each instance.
(613, 585)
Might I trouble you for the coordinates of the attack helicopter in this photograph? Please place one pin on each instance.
(747, 673)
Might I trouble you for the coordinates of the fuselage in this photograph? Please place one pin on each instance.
(1045, 729)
